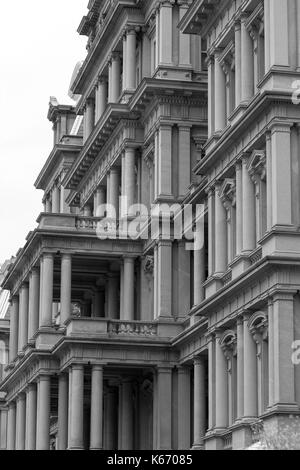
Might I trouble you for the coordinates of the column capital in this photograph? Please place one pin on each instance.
(115, 55)
(164, 369)
(66, 255)
(198, 360)
(43, 377)
(21, 397)
(129, 258)
(237, 25)
(280, 126)
(77, 366)
(47, 255)
(131, 29)
(98, 367)
(31, 387)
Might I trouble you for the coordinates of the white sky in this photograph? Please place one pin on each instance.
(39, 48)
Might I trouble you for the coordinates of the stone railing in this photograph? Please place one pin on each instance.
(87, 223)
(227, 278)
(227, 442)
(256, 256)
(134, 328)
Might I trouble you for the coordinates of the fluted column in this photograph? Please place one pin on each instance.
(247, 72)
(221, 386)
(184, 408)
(124, 61)
(131, 59)
(211, 231)
(271, 352)
(11, 426)
(211, 95)
(126, 415)
(101, 98)
(110, 411)
(55, 200)
(89, 118)
(129, 181)
(199, 402)
(283, 312)
(128, 307)
(250, 372)
(164, 284)
(199, 266)
(279, 32)
(164, 405)
(165, 34)
(63, 403)
(34, 302)
(43, 413)
(281, 174)
(114, 191)
(48, 207)
(96, 442)
(239, 208)
(66, 287)
(100, 202)
(238, 62)
(269, 180)
(184, 40)
(23, 317)
(14, 328)
(47, 289)
(77, 395)
(249, 217)
(115, 77)
(184, 162)
(20, 422)
(240, 368)
(220, 234)
(220, 95)
(112, 296)
(31, 416)
(3, 428)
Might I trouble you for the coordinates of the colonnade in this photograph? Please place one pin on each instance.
(32, 306)
(232, 73)
(241, 369)
(120, 76)
(113, 417)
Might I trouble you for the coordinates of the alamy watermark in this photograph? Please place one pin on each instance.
(160, 222)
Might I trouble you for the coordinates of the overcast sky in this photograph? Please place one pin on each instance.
(39, 48)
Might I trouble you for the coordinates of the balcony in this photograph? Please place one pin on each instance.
(105, 328)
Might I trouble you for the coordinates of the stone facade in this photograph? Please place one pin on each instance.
(137, 342)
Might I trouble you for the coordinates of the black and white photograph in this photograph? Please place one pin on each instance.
(150, 216)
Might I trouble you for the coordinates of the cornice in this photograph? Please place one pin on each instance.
(255, 109)
(57, 152)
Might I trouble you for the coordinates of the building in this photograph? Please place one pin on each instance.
(4, 344)
(125, 341)
(251, 172)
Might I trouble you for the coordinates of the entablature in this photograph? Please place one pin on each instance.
(244, 135)
(60, 159)
(127, 133)
(58, 233)
(120, 15)
(97, 140)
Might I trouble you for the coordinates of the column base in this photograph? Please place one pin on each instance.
(239, 265)
(198, 446)
(75, 448)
